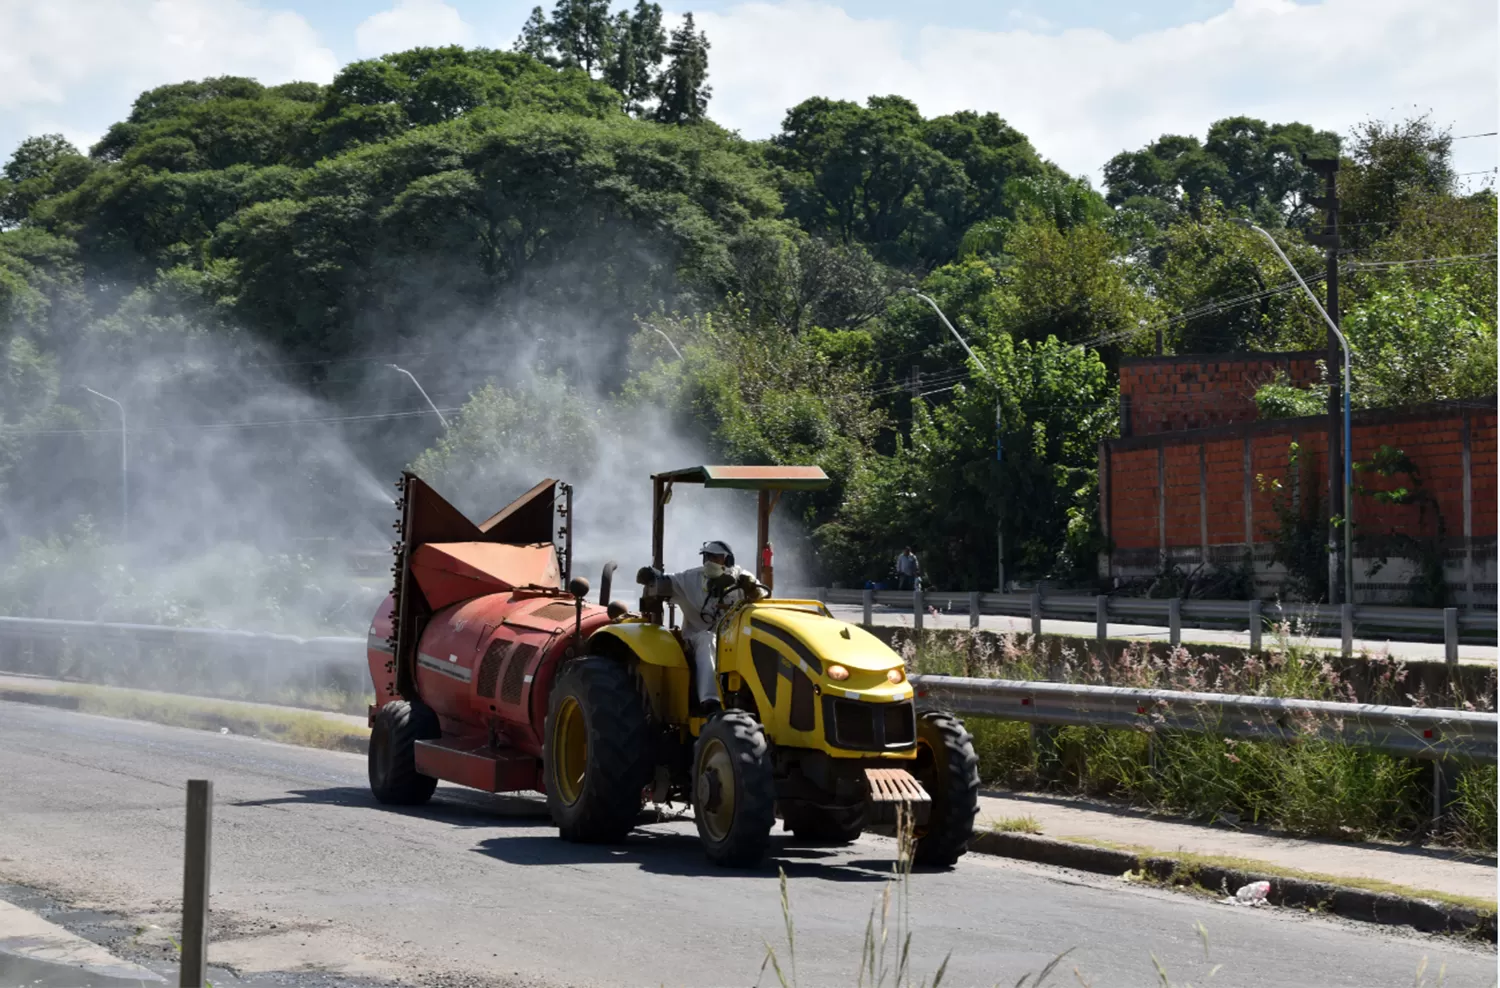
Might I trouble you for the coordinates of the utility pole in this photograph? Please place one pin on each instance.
(1327, 169)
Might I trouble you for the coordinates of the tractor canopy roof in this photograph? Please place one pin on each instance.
(752, 478)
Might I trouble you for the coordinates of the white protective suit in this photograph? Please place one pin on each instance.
(700, 613)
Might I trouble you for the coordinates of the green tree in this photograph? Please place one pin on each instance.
(1246, 164)
(640, 44)
(581, 33)
(682, 89)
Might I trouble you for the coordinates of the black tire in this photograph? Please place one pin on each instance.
(394, 778)
(948, 769)
(604, 805)
(824, 825)
(735, 741)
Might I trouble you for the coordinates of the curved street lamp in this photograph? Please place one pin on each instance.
(1348, 453)
(124, 465)
(999, 522)
(414, 380)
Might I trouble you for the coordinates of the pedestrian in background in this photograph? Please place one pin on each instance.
(907, 570)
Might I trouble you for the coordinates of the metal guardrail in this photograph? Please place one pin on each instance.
(1446, 624)
(1418, 732)
(328, 648)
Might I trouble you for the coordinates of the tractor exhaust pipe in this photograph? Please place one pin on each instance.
(605, 581)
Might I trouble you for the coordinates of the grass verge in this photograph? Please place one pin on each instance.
(308, 729)
(1311, 787)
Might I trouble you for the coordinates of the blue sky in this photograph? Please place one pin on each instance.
(1083, 78)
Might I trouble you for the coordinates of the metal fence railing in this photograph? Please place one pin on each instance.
(1449, 625)
(1419, 732)
(1422, 732)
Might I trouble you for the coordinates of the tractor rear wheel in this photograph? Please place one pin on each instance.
(948, 769)
(394, 778)
(734, 794)
(825, 825)
(596, 759)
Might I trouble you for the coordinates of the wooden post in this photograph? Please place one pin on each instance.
(917, 607)
(1036, 615)
(1256, 622)
(974, 609)
(1450, 635)
(1174, 621)
(869, 602)
(1101, 621)
(1346, 615)
(195, 884)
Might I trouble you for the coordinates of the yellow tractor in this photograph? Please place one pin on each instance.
(818, 724)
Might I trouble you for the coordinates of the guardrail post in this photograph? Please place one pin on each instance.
(918, 607)
(974, 609)
(1174, 621)
(1346, 615)
(200, 802)
(1101, 619)
(1036, 615)
(1256, 625)
(1048, 754)
(1450, 635)
(869, 602)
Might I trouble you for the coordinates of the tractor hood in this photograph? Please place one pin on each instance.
(828, 639)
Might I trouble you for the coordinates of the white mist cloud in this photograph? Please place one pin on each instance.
(76, 65)
(411, 24)
(1084, 95)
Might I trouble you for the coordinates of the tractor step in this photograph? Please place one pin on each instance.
(891, 788)
(473, 763)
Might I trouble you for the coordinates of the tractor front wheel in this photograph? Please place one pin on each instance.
(734, 794)
(596, 760)
(394, 778)
(948, 769)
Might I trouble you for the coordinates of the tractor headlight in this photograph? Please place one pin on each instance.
(838, 673)
(896, 676)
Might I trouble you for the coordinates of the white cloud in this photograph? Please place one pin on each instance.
(412, 24)
(1083, 95)
(78, 64)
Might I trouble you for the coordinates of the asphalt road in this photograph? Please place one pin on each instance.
(309, 874)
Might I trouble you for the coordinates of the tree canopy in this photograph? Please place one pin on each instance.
(560, 240)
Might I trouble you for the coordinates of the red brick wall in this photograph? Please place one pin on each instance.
(1432, 437)
(1169, 394)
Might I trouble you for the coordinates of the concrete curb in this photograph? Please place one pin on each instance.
(1351, 903)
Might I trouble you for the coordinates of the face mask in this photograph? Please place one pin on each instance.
(713, 570)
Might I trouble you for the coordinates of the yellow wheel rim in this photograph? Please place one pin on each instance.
(715, 789)
(570, 750)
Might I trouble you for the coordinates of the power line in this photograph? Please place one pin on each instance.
(1465, 137)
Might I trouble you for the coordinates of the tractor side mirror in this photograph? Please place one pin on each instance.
(578, 587)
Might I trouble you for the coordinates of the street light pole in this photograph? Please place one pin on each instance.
(124, 465)
(669, 341)
(424, 393)
(1348, 452)
(999, 522)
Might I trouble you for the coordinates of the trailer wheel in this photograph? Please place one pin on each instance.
(734, 794)
(394, 778)
(596, 760)
(948, 769)
(825, 825)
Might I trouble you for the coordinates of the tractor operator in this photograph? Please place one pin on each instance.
(701, 592)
